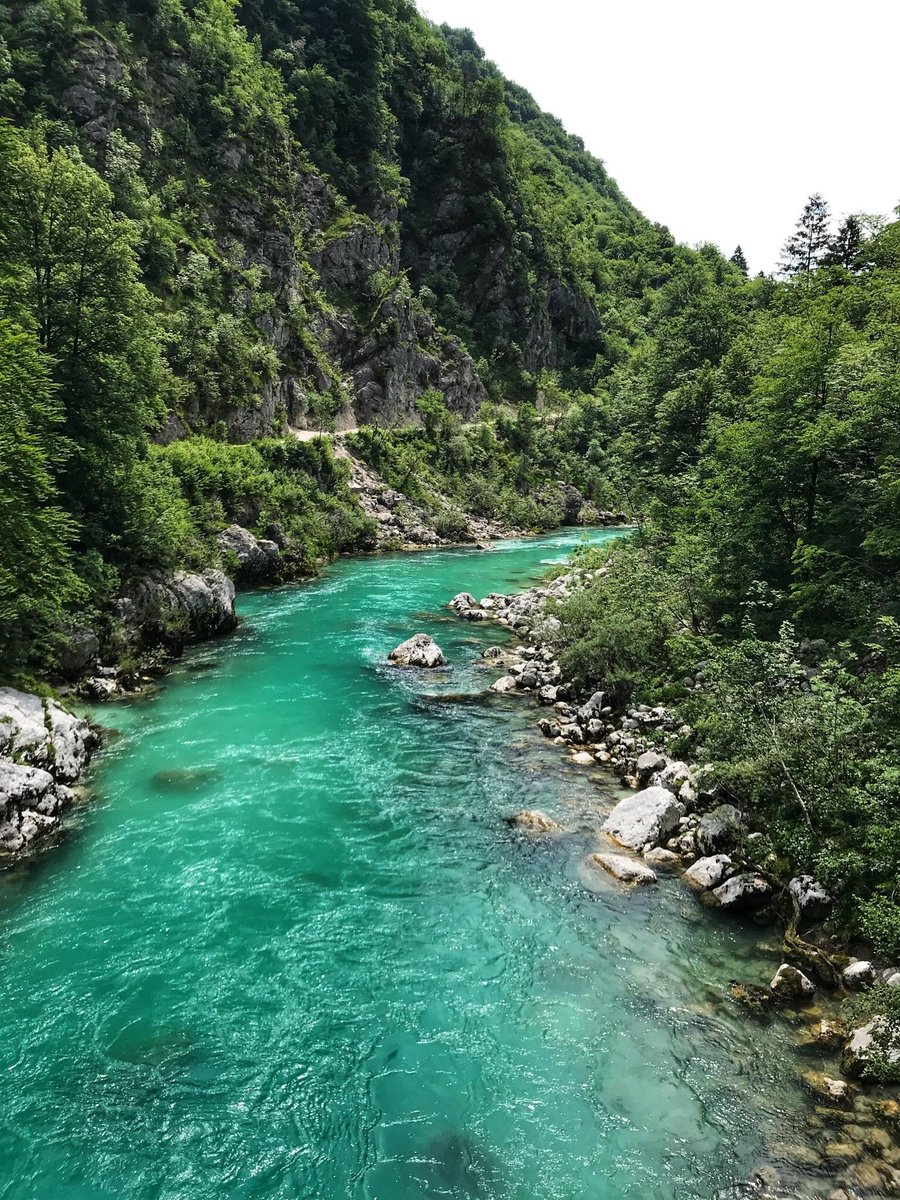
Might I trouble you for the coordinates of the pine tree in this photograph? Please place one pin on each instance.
(843, 249)
(804, 249)
(740, 260)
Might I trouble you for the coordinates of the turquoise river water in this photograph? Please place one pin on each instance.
(291, 949)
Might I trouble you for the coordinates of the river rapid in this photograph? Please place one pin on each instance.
(292, 950)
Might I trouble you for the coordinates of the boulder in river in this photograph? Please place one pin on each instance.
(649, 816)
(466, 606)
(708, 872)
(506, 683)
(790, 984)
(741, 893)
(662, 859)
(418, 651)
(626, 870)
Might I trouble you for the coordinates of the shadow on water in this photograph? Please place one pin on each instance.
(463, 1168)
(185, 779)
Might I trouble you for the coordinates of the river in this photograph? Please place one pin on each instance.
(293, 950)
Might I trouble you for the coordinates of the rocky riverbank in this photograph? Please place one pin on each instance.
(679, 819)
(43, 752)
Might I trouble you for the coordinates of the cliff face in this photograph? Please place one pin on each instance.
(350, 211)
(342, 336)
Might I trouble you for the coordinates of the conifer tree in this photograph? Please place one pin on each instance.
(803, 250)
(843, 249)
(740, 260)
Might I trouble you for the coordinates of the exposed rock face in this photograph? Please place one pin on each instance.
(401, 523)
(708, 872)
(626, 870)
(649, 816)
(43, 749)
(741, 893)
(255, 559)
(790, 984)
(172, 610)
(418, 651)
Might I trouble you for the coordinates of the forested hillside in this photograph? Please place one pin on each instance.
(219, 223)
(759, 425)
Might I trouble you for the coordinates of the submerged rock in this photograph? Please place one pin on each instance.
(418, 651)
(649, 816)
(534, 820)
(626, 870)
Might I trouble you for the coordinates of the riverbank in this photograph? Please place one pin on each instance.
(680, 819)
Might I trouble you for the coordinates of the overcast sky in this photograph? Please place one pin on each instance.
(716, 117)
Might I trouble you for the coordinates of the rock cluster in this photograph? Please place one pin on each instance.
(43, 750)
(402, 524)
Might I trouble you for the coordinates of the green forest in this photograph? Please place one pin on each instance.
(223, 221)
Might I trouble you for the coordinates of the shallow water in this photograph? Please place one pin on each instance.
(293, 950)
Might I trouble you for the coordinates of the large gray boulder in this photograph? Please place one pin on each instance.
(178, 608)
(721, 831)
(79, 651)
(626, 870)
(466, 606)
(647, 817)
(859, 975)
(255, 559)
(741, 893)
(649, 763)
(418, 651)
(810, 899)
(708, 872)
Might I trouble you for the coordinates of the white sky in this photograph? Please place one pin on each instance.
(716, 117)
